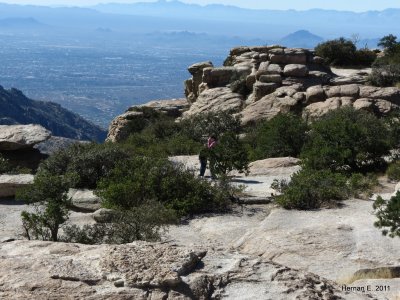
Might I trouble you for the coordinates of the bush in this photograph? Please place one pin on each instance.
(339, 52)
(310, 189)
(5, 166)
(228, 154)
(385, 75)
(393, 171)
(211, 124)
(140, 179)
(145, 222)
(343, 52)
(388, 214)
(48, 195)
(284, 135)
(346, 140)
(87, 162)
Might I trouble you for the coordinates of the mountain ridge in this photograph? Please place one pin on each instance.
(16, 108)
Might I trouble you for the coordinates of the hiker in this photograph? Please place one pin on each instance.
(204, 154)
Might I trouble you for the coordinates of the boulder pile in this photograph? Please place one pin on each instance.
(261, 82)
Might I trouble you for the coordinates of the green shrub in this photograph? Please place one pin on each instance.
(5, 166)
(388, 214)
(311, 189)
(393, 171)
(140, 179)
(345, 140)
(228, 154)
(339, 52)
(284, 135)
(343, 52)
(145, 222)
(385, 75)
(88, 162)
(211, 124)
(48, 196)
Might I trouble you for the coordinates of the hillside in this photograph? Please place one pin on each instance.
(16, 108)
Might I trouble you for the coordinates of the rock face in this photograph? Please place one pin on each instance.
(148, 271)
(271, 73)
(15, 137)
(9, 184)
(216, 99)
(84, 200)
(119, 128)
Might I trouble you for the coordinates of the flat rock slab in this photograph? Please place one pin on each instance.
(333, 243)
(9, 184)
(34, 269)
(14, 137)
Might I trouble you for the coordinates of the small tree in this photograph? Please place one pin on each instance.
(388, 42)
(388, 214)
(339, 52)
(229, 154)
(48, 195)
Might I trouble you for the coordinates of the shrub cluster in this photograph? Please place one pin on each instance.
(283, 135)
(343, 52)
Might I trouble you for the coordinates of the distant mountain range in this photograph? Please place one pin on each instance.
(16, 108)
(211, 19)
(302, 39)
(20, 23)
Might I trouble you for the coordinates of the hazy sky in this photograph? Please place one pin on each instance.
(354, 5)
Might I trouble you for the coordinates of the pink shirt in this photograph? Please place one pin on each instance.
(211, 143)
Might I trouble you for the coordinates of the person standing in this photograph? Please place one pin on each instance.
(204, 154)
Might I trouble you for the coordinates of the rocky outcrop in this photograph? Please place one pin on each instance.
(9, 184)
(214, 100)
(84, 200)
(269, 72)
(119, 128)
(33, 270)
(15, 137)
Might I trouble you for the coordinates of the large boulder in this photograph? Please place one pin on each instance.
(171, 107)
(84, 200)
(260, 89)
(215, 100)
(283, 100)
(119, 127)
(295, 70)
(315, 94)
(15, 137)
(192, 85)
(9, 184)
(391, 94)
(222, 76)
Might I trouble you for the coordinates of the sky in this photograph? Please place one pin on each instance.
(352, 5)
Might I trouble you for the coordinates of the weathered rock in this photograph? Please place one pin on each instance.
(171, 107)
(14, 137)
(275, 78)
(56, 143)
(273, 69)
(315, 94)
(318, 60)
(219, 77)
(119, 127)
(377, 106)
(84, 200)
(103, 215)
(239, 50)
(318, 109)
(261, 89)
(295, 70)
(192, 85)
(9, 184)
(391, 94)
(268, 107)
(66, 271)
(216, 99)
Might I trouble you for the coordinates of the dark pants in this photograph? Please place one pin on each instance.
(203, 166)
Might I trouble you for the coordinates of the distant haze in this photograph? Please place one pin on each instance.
(353, 5)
